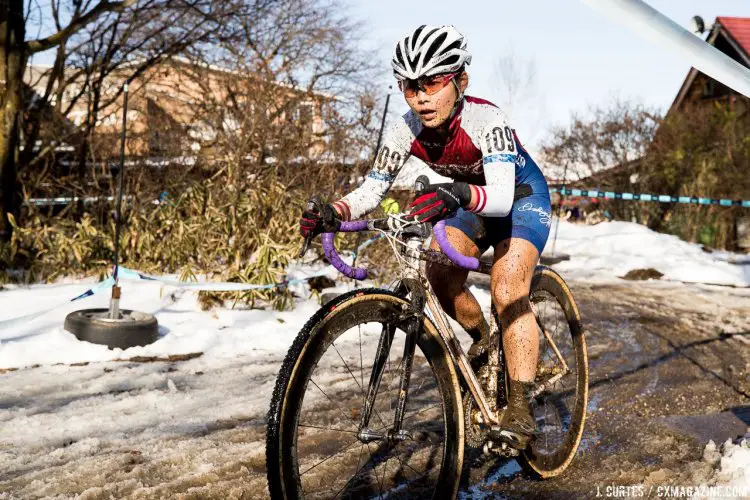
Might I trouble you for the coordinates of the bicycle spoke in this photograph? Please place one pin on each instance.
(410, 467)
(347, 368)
(330, 457)
(385, 469)
(361, 388)
(359, 469)
(327, 428)
(421, 411)
(361, 363)
(356, 424)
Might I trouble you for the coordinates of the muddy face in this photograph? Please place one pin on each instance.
(434, 110)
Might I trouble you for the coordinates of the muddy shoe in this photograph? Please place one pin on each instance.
(518, 424)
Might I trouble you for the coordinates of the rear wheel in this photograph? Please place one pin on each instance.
(562, 376)
(314, 447)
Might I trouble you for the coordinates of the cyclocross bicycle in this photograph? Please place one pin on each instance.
(376, 397)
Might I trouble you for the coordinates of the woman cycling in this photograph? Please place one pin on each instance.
(499, 198)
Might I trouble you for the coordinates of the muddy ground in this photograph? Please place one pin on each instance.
(669, 370)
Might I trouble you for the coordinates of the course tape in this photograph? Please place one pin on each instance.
(129, 274)
(663, 198)
(24, 320)
(217, 286)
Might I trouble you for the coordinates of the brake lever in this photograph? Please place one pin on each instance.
(305, 247)
(421, 184)
(308, 239)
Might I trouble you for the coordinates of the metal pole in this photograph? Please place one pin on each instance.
(382, 122)
(655, 26)
(559, 209)
(114, 303)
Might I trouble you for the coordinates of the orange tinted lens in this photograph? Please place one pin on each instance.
(408, 87)
(435, 84)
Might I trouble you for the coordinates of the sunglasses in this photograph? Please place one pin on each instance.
(430, 85)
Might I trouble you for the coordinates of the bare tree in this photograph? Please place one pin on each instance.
(16, 50)
(96, 38)
(608, 136)
(296, 87)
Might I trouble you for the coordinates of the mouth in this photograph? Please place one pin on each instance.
(428, 114)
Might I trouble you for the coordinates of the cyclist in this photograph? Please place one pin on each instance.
(499, 198)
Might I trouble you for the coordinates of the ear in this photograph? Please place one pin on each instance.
(463, 81)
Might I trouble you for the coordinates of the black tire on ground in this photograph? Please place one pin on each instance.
(339, 315)
(553, 464)
(133, 329)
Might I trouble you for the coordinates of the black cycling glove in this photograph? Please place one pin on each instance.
(440, 200)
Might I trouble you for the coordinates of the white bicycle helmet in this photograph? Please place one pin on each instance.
(430, 50)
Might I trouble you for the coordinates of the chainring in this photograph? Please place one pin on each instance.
(475, 434)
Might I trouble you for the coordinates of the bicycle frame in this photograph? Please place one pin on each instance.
(413, 281)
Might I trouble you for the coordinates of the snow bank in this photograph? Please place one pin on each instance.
(731, 462)
(183, 327)
(611, 249)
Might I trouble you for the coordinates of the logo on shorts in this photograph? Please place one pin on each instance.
(520, 161)
(544, 216)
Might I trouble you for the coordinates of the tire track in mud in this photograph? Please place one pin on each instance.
(668, 369)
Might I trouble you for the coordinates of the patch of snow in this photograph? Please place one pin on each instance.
(609, 250)
(731, 474)
(183, 326)
(734, 466)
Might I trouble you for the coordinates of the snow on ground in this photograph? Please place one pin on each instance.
(611, 249)
(183, 327)
(731, 463)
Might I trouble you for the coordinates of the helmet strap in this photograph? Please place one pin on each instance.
(459, 100)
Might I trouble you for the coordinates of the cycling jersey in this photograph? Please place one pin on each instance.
(481, 149)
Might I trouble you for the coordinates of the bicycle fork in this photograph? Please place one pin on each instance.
(413, 317)
(395, 433)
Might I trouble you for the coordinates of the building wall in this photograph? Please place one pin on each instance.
(168, 102)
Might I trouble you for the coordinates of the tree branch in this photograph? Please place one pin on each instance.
(75, 25)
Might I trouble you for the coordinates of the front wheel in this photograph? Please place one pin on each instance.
(314, 444)
(562, 376)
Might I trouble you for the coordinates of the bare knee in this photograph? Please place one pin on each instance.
(510, 302)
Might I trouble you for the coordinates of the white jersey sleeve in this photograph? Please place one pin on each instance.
(499, 154)
(390, 158)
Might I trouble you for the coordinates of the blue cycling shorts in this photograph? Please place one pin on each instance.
(529, 219)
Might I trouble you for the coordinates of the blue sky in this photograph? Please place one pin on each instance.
(581, 56)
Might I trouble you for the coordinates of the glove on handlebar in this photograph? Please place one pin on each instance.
(321, 219)
(439, 201)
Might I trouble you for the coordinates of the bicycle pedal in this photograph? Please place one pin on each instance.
(509, 438)
(499, 449)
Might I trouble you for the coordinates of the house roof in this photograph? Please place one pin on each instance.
(738, 29)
